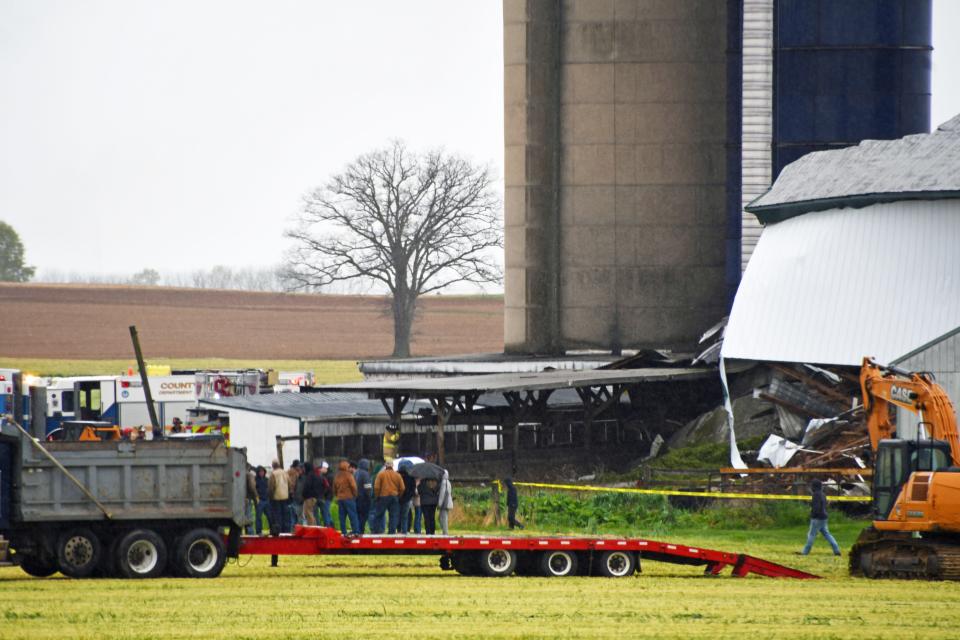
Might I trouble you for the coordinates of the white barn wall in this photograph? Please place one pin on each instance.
(257, 433)
(942, 358)
(831, 287)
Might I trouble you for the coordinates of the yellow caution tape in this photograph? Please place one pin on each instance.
(698, 494)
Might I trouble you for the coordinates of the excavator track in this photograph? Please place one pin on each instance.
(901, 556)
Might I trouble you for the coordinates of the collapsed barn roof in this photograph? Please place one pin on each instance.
(832, 286)
(917, 167)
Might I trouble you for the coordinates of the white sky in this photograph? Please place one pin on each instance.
(178, 135)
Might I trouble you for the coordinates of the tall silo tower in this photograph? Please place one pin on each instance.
(635, 130)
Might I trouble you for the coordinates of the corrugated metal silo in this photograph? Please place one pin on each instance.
(849, 70)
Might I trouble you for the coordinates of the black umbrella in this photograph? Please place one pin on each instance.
(426, 471)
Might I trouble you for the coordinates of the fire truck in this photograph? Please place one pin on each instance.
(121, 401)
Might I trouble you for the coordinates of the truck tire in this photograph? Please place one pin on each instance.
(108, 559)
(528, 563)
(38, 567)
(200, 554)
(141, 554)
(616, 564)
(78, 552)
(558, 564)
(497, 563)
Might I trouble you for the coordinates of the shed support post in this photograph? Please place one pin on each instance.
(444, 409)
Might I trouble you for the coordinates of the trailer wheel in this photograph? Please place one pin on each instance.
(498, 562)
(200, 554)
(616, 564)
(78, 552)
(558, 564)
(38, 567)
(141, 554)
(465, 563)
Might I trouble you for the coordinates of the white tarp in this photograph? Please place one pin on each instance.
(777, 451)
(831, 287)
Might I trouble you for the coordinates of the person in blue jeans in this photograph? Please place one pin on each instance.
(327, 495)
(818, 520)
(345, 490)
(387, 489)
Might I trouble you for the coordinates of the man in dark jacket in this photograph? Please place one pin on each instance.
(513, 502)
(364, 493)
(818, 519)
(263, 499)
(429, 490)
(326, 495)
(406, 498)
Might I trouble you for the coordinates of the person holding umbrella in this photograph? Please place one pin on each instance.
(429, 491)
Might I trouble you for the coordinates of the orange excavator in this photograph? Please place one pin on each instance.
(916, 482)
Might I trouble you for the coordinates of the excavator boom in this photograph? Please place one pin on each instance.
(917, 392)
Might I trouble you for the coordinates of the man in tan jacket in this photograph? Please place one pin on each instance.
(345, 491)
(278, 488)
(386, 490)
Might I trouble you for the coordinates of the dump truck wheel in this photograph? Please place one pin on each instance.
(78, 552)
(616, 564)
(200, 554)
(38, 567)
(141, 554)
(498, 562)
(558, 564)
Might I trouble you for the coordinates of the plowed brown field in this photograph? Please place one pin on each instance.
(90, 322)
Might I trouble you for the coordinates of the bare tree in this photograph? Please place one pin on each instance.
(148, 277)
(414, 223)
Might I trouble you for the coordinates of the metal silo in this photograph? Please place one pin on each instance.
(849, 70)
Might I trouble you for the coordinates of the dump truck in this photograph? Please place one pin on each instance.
(120, 508)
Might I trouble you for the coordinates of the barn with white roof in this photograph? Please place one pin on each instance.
(859, 256)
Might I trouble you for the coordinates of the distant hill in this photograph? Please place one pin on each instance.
(85, 321)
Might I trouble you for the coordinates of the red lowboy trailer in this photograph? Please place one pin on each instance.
(525, 555)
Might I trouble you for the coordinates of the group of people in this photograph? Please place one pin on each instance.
(393, 501)
(387, 500)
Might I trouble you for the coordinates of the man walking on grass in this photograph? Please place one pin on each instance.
(818, 520)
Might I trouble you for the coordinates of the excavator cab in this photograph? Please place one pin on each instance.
(895, 460)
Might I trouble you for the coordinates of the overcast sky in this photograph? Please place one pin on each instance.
(178, 135)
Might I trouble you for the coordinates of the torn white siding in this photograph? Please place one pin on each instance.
(833, 286)
(757, 116)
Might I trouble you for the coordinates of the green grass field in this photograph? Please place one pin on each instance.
(326, 371)
(366, 597)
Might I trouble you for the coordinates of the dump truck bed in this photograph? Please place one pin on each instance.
(139, 480)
